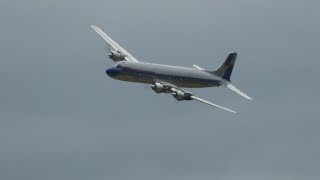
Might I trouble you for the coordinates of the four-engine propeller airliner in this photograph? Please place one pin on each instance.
(169, 79)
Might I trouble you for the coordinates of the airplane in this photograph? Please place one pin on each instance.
(169, 79)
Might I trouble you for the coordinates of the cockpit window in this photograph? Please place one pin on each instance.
(119, 66)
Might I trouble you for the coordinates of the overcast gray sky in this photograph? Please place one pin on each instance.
(62, 117)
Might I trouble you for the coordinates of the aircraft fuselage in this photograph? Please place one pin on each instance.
(149, 73)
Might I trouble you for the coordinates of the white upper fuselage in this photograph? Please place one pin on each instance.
(151, 73)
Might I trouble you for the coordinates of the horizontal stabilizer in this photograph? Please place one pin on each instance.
(236, 90)
(198, 67)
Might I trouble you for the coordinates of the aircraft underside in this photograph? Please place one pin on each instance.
(186, 82)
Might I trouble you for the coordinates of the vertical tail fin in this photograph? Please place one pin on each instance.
(225, 70)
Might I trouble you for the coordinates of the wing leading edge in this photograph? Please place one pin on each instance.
(170, 88)
(114, 45)
(211, 104)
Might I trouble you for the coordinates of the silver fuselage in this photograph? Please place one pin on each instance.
(149, 73)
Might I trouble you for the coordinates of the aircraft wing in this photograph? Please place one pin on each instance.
(171, 88)
(114, 45)
(211, 104)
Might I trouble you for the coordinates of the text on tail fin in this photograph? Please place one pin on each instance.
(225, 70)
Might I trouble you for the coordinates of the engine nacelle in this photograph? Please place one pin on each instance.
(157, 87)
(179, 95)
(116, 56)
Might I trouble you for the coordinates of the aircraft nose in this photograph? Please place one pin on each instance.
(113, 71)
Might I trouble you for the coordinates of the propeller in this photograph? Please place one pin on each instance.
(108, 49)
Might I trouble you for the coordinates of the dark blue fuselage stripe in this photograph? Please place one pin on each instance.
(180, 79)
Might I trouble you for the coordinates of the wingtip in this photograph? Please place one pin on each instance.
(229, 110)
(96, 28)
(249, 98)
